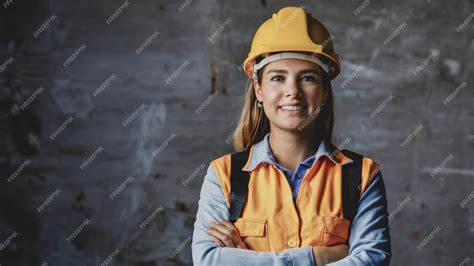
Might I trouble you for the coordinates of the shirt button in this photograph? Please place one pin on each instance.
(292, 243)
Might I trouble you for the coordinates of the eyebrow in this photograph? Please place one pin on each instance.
(283, 71)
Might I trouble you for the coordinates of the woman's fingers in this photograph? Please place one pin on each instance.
(228, 224)
(218, 242)
(235, 236)
(227, 234)
(222, 236)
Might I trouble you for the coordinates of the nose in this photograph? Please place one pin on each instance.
(292, 88)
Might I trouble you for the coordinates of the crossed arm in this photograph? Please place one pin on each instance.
(369, 240)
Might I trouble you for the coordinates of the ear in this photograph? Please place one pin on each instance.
(258, 90)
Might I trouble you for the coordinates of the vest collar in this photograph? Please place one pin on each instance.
(261, 153)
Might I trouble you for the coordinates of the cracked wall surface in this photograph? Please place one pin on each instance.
(111, 111)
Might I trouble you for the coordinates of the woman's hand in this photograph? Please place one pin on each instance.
(225, 234)
(325, 255)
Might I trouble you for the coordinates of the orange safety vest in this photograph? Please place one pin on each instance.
(271, 221)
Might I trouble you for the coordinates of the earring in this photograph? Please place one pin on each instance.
(259, 104)
(323, 103)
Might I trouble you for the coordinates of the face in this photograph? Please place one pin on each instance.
(291, 91)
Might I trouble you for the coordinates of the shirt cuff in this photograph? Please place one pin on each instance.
(300, 256)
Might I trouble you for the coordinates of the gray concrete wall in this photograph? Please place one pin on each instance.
(404, 97)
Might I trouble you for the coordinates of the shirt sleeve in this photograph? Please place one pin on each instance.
(369, 240)
(212, 208)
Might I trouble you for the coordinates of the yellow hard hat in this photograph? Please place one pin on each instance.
(292, 33)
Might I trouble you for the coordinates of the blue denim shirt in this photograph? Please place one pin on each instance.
(369, 239)
(294, 178)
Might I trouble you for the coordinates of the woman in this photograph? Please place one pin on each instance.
(290, 197)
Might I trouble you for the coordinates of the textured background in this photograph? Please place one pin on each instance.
(401, 61)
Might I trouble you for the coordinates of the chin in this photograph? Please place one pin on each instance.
(296, 125)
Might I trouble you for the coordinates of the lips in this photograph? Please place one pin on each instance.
(295, 109)
(293, 106)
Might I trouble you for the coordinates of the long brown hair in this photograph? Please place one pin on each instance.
(253, 124)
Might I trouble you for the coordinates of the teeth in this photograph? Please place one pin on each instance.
(292, 107)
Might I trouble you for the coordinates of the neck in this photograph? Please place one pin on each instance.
(291, 148)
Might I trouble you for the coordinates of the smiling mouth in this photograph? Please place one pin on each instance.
(293, 107)
(298, 110)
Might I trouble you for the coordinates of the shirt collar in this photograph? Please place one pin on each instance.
(261, 153)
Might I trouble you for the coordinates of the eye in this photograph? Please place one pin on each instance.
(309, 78)
(277, 78)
